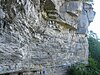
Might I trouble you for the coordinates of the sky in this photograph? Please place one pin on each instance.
(95, 25)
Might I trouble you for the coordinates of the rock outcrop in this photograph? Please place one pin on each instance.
(43, 37)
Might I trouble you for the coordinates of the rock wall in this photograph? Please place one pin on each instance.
(43, 37)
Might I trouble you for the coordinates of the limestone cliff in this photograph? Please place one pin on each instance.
(43, 37)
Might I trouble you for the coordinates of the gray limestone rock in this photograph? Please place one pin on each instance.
(38, 37)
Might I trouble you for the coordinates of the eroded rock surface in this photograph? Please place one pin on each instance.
(43, 36)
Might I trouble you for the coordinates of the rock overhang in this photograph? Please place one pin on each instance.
(36, 37)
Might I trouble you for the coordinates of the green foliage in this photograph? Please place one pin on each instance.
(81, 69)
(93, 68)
(94, 47)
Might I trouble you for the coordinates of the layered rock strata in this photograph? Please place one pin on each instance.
(43, 37)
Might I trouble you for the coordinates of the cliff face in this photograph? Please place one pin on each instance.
(43, 36)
